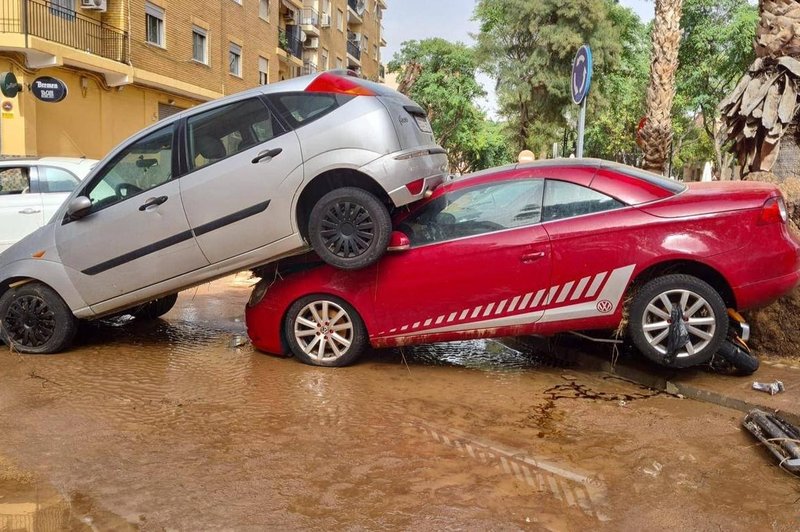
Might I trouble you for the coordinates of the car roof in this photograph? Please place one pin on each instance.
(53, 161)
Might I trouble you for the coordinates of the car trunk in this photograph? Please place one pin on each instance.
(410, 121)
(710, 198)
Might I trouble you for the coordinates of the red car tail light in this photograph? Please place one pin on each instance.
(773, 211)
(327, 82)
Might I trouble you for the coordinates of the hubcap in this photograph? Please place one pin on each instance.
(698, 316)
(347, 229)
(29, 321)
(323, 330)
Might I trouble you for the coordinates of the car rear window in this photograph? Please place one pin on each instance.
(300, 108)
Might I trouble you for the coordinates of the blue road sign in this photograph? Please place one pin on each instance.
(581, 74)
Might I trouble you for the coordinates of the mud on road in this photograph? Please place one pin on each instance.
(172, 424)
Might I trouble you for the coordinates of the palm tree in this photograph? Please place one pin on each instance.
(761, 113)
(656, 135)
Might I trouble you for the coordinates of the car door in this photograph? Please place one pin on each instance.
(20, 208)
(243, 170)
(55, 185)
(479, 259)
(135, 234)
(594, 242)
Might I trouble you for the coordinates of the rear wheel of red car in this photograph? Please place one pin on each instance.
(34, 319)
(703, 312)
(324, 331)
(349, 228)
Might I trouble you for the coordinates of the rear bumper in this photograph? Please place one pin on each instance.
(763, 293)
(397, 170)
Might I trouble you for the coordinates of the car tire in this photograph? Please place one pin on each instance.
(324, 330)
(704, 313)
(35, 320)
(743, 362)
(156, 308)
(349, 228)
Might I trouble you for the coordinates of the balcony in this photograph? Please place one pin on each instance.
(61, 25)
(355, 12)
(353, 53)
(289, 41)
(309, 68)
(309, 21)
(382, 73)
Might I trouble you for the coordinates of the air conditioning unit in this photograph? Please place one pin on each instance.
(325, 21)
(94, 5)
(313, 43)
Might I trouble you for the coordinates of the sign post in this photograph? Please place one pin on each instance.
(581, 81)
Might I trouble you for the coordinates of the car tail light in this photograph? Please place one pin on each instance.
(327, 82)
(773, 211)
(415, 187)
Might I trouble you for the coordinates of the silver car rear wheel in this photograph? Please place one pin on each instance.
(324, 331)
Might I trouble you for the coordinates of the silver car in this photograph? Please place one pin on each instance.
(223, 187)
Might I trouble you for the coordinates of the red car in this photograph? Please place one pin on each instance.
(543, 248)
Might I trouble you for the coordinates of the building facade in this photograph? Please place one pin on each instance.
(129, 63)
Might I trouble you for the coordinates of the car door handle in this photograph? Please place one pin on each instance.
(267, 154)
(151, 202)
(30, 211)
(532, 257)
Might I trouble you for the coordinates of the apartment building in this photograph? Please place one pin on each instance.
(129, 63)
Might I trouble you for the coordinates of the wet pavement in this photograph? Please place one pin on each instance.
(179, 424)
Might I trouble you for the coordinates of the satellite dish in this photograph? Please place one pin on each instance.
(303, 36)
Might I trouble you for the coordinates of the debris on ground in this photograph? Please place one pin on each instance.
(237, 340)
(771, 388)
(779, 436)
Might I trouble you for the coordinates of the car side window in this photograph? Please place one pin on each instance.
(14, 180)
(300, 108)
(566, 200)
(225, 131)
(53, 180)
(476, 211)
(145, 164)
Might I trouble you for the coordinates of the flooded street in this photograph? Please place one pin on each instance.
(175, 425)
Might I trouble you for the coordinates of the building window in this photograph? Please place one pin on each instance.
(63, 8)
(154, 17)
(375, 52)
(263, 9)
(340, 20)
(326, 7)
(235, 60)
(263, 71)
(323, 59)
(339, 63)
(199, 45)
(238, 2)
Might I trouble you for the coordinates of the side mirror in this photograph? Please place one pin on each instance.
(79, 207)
(398, 242)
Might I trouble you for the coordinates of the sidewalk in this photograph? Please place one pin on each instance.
(694, 383)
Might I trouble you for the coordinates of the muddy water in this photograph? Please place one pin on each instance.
(174, 424)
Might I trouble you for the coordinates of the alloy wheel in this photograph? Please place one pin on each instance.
(323, 330)
(698, 316)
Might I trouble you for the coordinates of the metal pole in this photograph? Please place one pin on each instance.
(581, 124)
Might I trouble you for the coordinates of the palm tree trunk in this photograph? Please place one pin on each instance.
(656, 134)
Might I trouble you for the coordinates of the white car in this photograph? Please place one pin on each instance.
(32, 190)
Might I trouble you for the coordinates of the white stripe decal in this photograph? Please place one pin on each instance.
(392, 330)
(404, 327)
(415, 326)
(525, 300)
(501, 307)
(488, 310)
(579, 290)
(452, 317)
(538, 298)
(476, 311)
(463, 314)
(598, 280)
(565, 292)
(612, 291)
(427, 322)
(517, 319)
(551, 295)
(440, 319)
(513, 304)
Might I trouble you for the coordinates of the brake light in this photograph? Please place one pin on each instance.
(773, 211)
(327, 82)
(415, 187)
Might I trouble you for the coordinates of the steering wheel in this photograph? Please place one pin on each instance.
(123, 190)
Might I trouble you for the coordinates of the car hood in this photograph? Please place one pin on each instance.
(41, 240)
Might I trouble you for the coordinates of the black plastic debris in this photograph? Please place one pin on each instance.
(678, 335)
(780, 437)
(734, 357)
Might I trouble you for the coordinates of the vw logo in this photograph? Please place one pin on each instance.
(605, 306)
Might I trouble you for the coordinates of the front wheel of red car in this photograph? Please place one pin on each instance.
(701, 308)
(324, 330)
(349, 228)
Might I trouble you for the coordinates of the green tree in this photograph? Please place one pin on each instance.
(440, 76)
(716, 47)
(528, 48)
